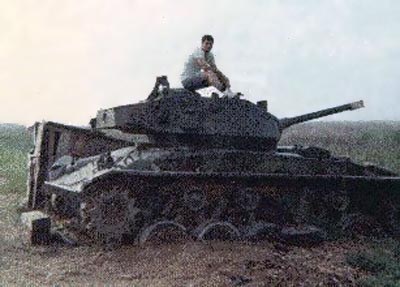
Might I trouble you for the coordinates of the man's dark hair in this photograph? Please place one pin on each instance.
(207, 38)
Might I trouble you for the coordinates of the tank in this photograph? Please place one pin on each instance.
(202, 167)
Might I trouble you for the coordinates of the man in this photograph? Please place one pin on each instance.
(200, 70)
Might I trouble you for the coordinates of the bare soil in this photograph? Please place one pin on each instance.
(174, 264)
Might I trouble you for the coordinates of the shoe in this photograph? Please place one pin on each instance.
(228, 93)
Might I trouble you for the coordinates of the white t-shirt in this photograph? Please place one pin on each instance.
(191, 67)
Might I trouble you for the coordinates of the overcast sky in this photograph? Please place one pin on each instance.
(64, 60)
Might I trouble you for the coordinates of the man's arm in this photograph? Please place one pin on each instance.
(204, 65)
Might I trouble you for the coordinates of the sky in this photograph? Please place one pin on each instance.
(64, 60)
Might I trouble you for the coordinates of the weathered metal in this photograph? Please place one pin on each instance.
(199, 165)
(287, 122)
(38, 226)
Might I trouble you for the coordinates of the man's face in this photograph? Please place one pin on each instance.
(207, 45)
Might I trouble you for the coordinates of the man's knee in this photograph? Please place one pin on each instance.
(213, 80)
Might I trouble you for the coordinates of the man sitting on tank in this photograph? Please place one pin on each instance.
(200, 70)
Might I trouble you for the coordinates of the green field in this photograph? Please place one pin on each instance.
(15, 144)
(376, 142)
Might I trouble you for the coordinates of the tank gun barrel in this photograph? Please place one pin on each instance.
(287, 122)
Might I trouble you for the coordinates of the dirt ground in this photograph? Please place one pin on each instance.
(174, 264)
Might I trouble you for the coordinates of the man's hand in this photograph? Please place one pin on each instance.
(204, 65)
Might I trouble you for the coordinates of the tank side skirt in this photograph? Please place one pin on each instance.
(200, 202)
(392, 183)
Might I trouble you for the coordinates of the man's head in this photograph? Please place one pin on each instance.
(207, 42)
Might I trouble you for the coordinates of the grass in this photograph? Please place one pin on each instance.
(375, 142)
(15, 144)
(381, 261)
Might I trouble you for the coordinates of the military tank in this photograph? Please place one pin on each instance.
(203, 167)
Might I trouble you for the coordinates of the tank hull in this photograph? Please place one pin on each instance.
(201, 200)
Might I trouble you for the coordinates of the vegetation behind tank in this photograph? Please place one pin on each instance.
(374, 141)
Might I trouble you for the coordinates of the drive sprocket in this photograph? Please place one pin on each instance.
(106, 213)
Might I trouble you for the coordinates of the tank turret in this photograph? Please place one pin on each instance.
(179, 117)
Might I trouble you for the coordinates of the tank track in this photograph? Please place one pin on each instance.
(143, 207)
